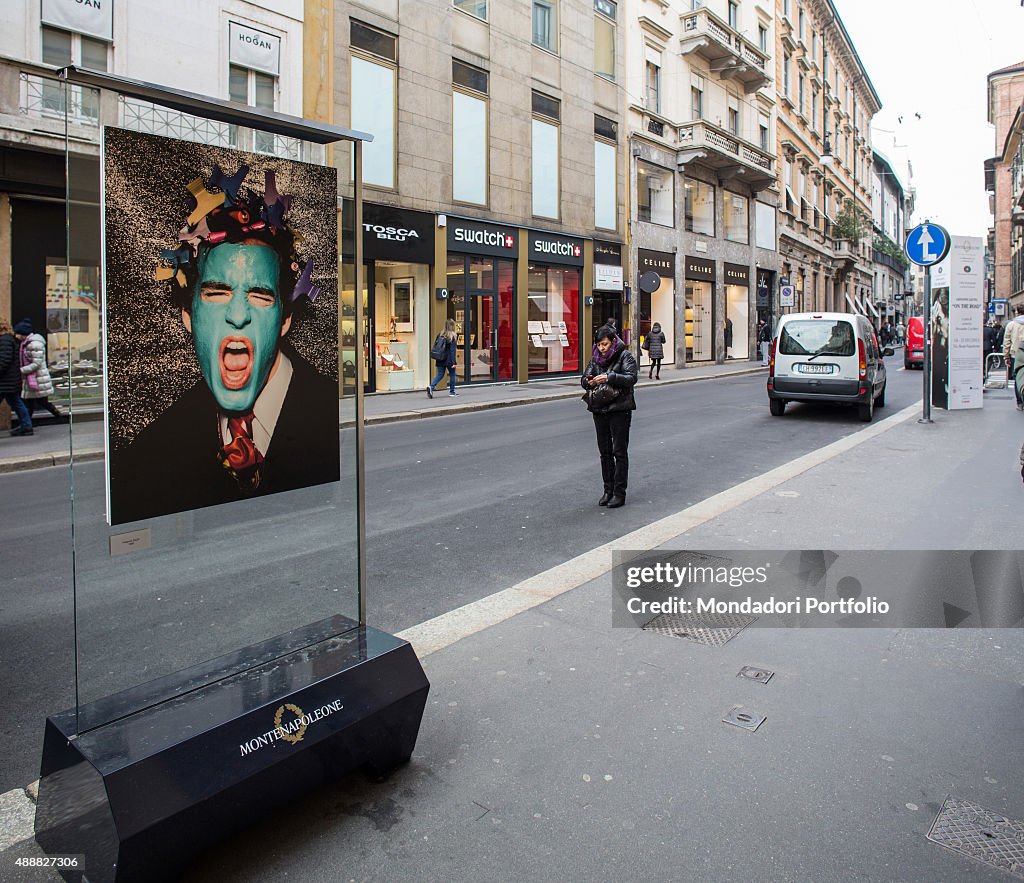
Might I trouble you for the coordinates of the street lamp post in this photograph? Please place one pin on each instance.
(826, 161)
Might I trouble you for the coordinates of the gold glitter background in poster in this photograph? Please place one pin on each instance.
(150, 357)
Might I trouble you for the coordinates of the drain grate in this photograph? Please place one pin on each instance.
(747, 720)
(761, 675)
(981, 834)
(712, 629)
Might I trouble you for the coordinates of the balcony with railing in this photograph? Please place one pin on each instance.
(727, 153)
(727, 52)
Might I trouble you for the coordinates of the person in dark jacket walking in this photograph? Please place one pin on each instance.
(612, 364)
(727, 336)
(10, 378)
(654, 343)
(448, 362)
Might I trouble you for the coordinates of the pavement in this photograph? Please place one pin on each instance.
(51, 444)
(556, 747)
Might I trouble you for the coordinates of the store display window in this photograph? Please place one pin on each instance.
(553, 319)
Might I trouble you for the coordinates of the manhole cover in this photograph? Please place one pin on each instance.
(747, 720)
(761, 675)
(713, 629)
(981, 834)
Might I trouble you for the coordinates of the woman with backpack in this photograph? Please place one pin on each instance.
(609, 381)
(443, 354)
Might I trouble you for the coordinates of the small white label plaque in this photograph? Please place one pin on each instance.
(134, 541)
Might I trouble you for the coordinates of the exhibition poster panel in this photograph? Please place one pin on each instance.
(223, 514)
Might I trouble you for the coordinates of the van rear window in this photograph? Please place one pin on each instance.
(809, 337)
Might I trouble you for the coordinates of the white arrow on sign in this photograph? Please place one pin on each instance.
(924, 240)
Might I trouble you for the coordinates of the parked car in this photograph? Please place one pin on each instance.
(913, 349)
(826, 357)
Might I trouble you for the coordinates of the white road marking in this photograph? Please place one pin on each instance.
(444, 630)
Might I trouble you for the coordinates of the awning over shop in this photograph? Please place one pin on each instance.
(871, 307)
(851, 304)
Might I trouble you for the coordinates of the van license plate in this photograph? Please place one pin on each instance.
(815, 369)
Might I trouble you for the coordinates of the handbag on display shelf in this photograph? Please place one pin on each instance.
(387, 360)
(398, 364)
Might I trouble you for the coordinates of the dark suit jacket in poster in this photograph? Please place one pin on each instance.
(172, 465)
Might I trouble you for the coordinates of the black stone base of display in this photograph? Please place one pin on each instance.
(141, 796)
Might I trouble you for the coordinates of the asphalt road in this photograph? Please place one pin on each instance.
(458, 507)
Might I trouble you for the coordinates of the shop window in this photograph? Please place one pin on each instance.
(699, 321)
(545, 24)
(477, 8)
(737, 311)
(469, 134)
(373, 84)
(605, 203)
(604, 38)
(655, 200)
(736, 218)
(700, 207)
(553, 319)
(545, 156)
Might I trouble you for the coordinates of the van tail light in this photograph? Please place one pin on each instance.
(771, 360)
(863, 360)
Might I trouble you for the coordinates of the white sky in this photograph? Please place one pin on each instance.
(931, 57)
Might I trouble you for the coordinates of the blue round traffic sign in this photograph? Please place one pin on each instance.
(927, 244)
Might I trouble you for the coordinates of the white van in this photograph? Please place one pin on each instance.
(826, 357)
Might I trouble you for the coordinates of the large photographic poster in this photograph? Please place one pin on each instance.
(220, 271)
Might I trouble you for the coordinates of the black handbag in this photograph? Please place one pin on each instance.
(601, 396)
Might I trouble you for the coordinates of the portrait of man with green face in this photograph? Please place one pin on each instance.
(262, 420)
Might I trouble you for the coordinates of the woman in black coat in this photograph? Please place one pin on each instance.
(10, 378)
(609, 380)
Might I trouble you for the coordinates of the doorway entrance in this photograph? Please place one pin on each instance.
(481, 302)
(607, 307)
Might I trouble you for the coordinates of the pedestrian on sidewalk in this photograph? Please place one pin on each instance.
(37, 387)
(447, 360)
(1012, 337)
(727, 336)
(901, 332)
(764, 340)
(609, 381)
(654, 343)
(988, 338)
(10, 378)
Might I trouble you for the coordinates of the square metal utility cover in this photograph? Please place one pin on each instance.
(981, 834)
(713, 629)
(752, 673)
(740, 717)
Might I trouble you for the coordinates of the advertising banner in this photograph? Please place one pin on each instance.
(221, 318)
(958, 317)
(966, 322)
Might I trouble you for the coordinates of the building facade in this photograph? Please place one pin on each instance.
(494, 187)
(826, 103)
(1012, 158)
(702, 174)
(1005, 95)
(231, 49)
(891, 208)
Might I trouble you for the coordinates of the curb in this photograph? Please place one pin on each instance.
(86, 455)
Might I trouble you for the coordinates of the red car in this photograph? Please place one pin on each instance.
(913, 349)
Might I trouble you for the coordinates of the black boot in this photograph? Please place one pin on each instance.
(604, 500)
(616, 501)
(650, 374)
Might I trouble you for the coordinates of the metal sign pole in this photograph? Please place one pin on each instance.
(926, 374)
